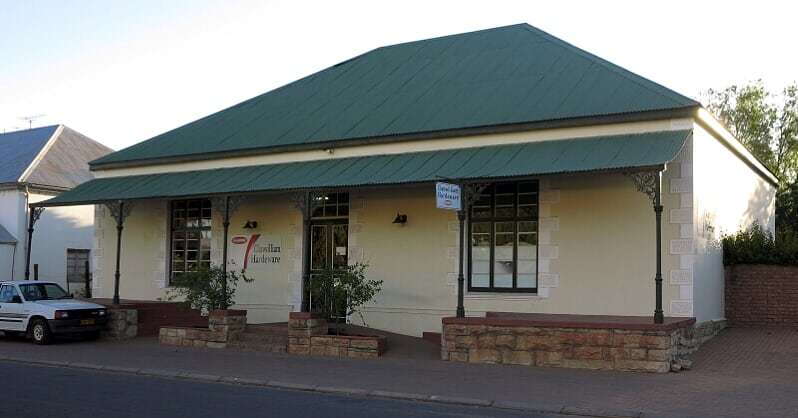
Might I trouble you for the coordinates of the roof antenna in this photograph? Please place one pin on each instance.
(31, 118)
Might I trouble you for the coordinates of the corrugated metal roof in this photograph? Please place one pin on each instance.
(19, 148)
(493, 162)
(502, 76)
(66, 163)
(6, 237)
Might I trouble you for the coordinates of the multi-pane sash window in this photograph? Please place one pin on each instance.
(190, 247)
(503, 230)
(331, 205)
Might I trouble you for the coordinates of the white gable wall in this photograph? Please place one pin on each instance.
(12, 206)
(728, 195)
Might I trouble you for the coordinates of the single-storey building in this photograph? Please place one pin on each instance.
(35, 165)
(585, 188)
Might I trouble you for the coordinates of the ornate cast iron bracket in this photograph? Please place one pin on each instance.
(646, 183)
(120, 210)
(233, 203)
(472, 192)
(35, 214)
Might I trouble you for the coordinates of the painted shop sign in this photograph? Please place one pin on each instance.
(255, 252)
(447, 196)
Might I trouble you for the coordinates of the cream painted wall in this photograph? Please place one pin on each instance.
(586, 220)
(728, 196)
(145, 249)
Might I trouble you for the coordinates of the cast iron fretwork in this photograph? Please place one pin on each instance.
(650, 183)
(120, 210)
(645, 182)
(34, 215)
(469, 193)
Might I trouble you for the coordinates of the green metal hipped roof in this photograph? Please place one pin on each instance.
(489, 162)
(499, 77)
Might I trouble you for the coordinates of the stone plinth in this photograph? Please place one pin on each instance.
(223, 326)
(565, 341)
(122, 322)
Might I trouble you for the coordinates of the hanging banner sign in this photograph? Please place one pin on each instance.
(447, 196)
(254, 252)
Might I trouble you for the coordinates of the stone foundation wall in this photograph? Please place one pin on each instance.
(122, 323)
(308, 334)
(482, 340)
(223, 327)
(762, 295)
(693, 337)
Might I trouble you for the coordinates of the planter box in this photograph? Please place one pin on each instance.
(223, 327)
(573, 341)
(308, 334)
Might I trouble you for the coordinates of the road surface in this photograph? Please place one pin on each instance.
(42, 391)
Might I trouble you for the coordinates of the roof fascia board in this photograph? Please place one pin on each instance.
(517, 127)
(40, 155)
(423, 145)
(657, 167)
(43, 188)
(707, 121)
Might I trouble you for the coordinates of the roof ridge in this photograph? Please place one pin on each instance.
(452, 35)
(621, 71)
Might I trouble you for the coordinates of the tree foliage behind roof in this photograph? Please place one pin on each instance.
(766, 123)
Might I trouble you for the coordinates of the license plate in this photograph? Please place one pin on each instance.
(86, 322)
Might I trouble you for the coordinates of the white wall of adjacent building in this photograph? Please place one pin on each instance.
(58, 229)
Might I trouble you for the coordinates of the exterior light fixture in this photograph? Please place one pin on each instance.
(251, 225)
(400, 219)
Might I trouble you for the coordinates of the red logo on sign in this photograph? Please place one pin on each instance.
(239, 240)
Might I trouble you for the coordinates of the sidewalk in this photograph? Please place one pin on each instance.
(743, 372)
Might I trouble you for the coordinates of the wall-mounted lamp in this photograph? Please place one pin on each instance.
(251, 225)
(400, 219)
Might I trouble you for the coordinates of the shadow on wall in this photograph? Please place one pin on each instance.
(761, 208)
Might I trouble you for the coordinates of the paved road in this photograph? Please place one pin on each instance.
(41, 391)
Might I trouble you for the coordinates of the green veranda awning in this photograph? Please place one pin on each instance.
(489, 162)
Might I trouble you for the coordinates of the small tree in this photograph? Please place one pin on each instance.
(343, 292)
(205, 289)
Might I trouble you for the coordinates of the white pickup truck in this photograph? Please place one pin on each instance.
(41, 309)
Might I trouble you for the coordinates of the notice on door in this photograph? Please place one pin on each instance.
(254, 252)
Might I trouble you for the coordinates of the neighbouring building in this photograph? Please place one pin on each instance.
(36, 165)
(561, 155)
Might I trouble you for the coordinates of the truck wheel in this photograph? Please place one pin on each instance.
(40, 332)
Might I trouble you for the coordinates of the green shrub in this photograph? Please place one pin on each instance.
(758, 246)
(204, 289)
(338, 293)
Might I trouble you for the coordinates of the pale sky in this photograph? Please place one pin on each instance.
(124, 71)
